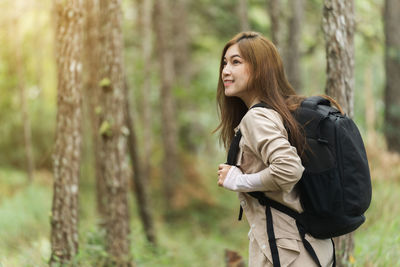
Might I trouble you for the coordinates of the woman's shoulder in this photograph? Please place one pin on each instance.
(261, 116)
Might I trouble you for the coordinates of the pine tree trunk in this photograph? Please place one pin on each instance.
(67, 151)
(169, 127)
(92, 95)
(30, 166)
(392, 69)
(138, 178)
(243, 17)
(338, 25)
(274, 11)
(113, 133)
(146, 26)
(180, 44)
(293, 51)
(370, 110)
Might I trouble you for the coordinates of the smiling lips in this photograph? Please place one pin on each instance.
(227, 82)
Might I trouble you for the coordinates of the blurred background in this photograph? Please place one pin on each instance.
(169, 60)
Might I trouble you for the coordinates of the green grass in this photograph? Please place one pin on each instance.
(195, 236)
(378, 240)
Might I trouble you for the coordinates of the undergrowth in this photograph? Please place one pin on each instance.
(194, 235)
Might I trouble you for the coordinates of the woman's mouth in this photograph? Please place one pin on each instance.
(227, 82)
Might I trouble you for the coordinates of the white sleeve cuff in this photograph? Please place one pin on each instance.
(237, 181)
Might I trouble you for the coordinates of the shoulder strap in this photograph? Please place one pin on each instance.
(234, 149)
(234, 146)
(262, 105)
(313, 101)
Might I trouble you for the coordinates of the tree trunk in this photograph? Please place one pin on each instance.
(138, 178)
(92, 95)
(146, 26)
(293, 52)
(338, 25)
(243, 17)
(274, 11)
(181, 34)
(392, 70)
(233, 259)
(30, 166)
(370, 111)
(169, 127)
(67, 151)
(113, 133)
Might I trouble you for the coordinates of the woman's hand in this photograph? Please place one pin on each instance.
(223, 170)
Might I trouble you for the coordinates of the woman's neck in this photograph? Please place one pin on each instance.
(251, 101)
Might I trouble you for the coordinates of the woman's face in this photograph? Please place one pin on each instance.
(235, 73)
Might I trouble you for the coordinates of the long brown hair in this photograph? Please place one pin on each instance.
(267, 78)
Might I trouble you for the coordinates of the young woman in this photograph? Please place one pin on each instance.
(251, 72)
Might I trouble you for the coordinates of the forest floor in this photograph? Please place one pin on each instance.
(196, 236)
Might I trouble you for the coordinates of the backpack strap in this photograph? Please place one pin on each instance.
(268, 203)
(234, 148)
(232, 155)
(313, 101)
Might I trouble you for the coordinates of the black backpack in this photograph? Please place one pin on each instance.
(335, 188)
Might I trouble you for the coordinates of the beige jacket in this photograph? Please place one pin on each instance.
(264, 147)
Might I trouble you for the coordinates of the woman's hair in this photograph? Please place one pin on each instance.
(267, 78)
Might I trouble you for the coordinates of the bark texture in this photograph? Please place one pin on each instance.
(243, 17)
(338, 25)
(113, 132)
(274, 11)
(141, 165)
(169, 127)
(293, 47)
(30, 166)
(92, 50)
(138, 178)
(392, 70)
(145, 27)
(180, 45)
(67, 151)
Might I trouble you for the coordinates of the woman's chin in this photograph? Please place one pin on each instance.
(229, 93)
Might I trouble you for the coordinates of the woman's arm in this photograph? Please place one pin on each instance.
(266, 137)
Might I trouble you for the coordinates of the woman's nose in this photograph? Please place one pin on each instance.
(226, 70)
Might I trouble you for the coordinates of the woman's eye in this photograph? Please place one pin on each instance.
(224, 63)
(236, 61)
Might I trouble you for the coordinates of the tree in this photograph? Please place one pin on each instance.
(392, 70)
(138, 178)
(338, 26)
(292, 52)
(274, 11)
(113, 132)
(92, 48)
(145, 23)
(169, 125)
(141, 165)
(26, 121)
(181, 53)
(67, 151)
(243, 17)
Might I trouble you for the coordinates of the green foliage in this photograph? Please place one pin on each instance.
(105, 82)
(24, 224)
(105, 129)
(378, 241)
(196, 236)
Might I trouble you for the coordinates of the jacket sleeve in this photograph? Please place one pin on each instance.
(266, 137)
